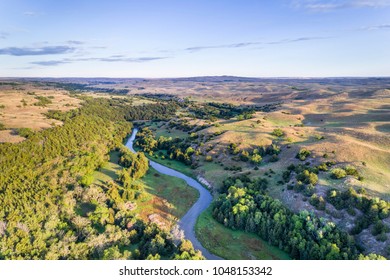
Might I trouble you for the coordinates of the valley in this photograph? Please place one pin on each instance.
(297, 168)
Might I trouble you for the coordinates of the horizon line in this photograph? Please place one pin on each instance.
(201, 76)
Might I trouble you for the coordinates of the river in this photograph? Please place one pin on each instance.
(188, 221)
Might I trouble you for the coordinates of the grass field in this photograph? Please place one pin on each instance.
(179, 195)
(19, 108)
(109, 170)
(161, 130)
(234, 245)
(174, 164)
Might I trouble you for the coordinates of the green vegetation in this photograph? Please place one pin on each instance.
(109, 171)
(136, 165)
(256, 155)
(24, 132)
(214, 110)
(374, 210)
(58, 190)
(277, 132)
(209, 158)
(338, 244)
(157, 191)
(175, 148)
(303, 154)
(307, 177)
(49, 202)
(234, 244)
(256, 159)
(165, 186)
(302, 235)
(42, 101)
(338, 173)
(157, 187)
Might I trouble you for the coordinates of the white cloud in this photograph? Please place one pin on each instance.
(32, 14)
(377, 27)
(325, 6)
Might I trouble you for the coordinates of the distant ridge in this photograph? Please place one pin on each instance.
(215, 79)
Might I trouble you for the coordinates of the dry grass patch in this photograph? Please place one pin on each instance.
(18, 108)
(8, 136)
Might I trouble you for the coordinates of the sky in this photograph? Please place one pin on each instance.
(184, 38)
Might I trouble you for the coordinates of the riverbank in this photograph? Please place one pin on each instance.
(188, 221)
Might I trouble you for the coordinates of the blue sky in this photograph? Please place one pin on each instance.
(172, 38)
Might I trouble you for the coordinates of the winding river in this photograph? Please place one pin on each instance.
(187, 222)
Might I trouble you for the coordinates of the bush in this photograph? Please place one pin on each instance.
(338, 173)
(318, 202)
(274, 158)
(350, 170)
(244, 156)
(256, 159)
(308, 177)
(303, 154)
(42, 101)
(323, 167)
(319, 137)
(209, 158)
(309, 190)
(277, 132)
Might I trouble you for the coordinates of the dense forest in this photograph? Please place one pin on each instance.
(51, 210)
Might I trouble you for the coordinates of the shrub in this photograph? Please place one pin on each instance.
(303, 154)
(323, 167)
(318, 202)
(42, 101)
(338, 173)
(209, 158)
(350, 170)
(274, 158)
(308, 177)
(319, 137)
(256, 159)
(308, 190)
(277, 132)
(244, 156)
